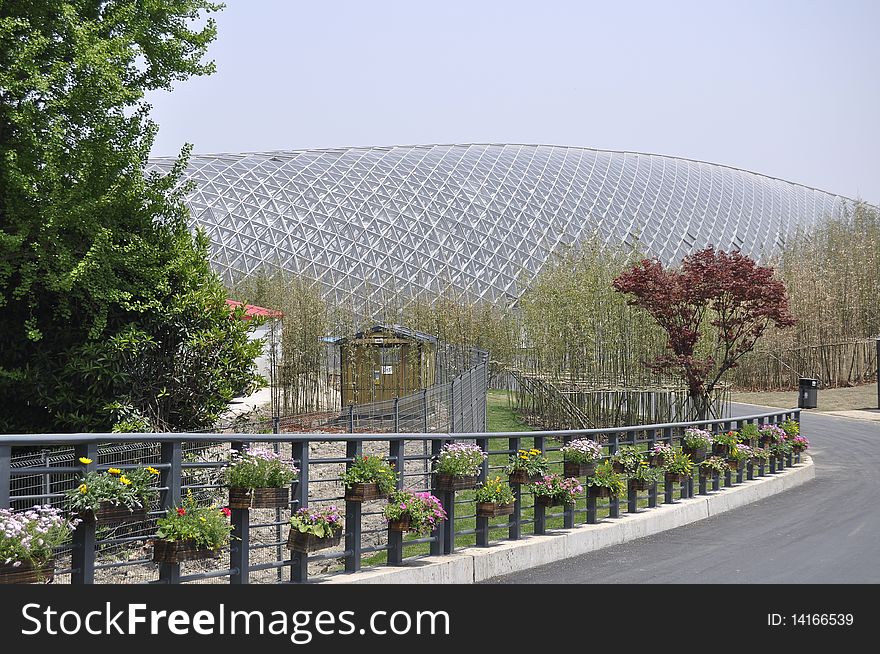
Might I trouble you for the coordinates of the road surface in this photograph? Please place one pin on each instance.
(825, 531)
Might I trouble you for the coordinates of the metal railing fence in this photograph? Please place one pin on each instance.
(193, 463)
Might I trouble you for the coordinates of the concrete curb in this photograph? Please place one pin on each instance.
(474, 564)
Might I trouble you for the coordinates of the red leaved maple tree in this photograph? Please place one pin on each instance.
(738, 297)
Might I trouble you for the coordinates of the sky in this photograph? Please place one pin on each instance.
(789, 89)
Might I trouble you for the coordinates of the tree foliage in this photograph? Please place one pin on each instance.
(730, 293)
(107, 306)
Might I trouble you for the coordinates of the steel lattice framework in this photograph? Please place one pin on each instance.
(474, 221)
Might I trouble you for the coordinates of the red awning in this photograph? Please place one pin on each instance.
(251, 310)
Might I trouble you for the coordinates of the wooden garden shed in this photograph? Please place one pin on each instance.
(384, 362)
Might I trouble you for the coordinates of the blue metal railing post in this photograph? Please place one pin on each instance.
(171, 454)
(239, 546)
(84, 541)
(5, 476)
(437, 543)
(540, 514)
(514, 531)
(483, 523)
(353, 512)
(395, 538)
(299, 561)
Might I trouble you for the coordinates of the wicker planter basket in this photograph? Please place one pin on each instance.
(571, 469)
(707, 473)
(547, 501)
(720, 449)
(733, 465)
(618, 467)
(639, 484)
(401, 525)
(520, 477)
(259, 498)
(493, 510)
(108, 513)
(598, 491)
(675, 479)
(297, 541)
(26, 573)
(165, 551)
(364, 492)
(445, 482)
(697, 453)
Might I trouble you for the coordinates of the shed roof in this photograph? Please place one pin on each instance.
(251, 310)
(397, 330)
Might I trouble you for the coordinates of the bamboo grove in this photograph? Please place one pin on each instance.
(571, 328)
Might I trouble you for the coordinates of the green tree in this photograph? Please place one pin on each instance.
(108, 309)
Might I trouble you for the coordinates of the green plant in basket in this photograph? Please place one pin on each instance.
(495, 491)
(132, 488)
(696, 438)
(749, 432)
(629, 457)
(559, 489)
(605, 476)
(760, 454)
(371, 469)
(679, 464)
(206, 526)
(740, 453)
(646, 473)
(256, 467)
(321, 523)
(791, 427)
(714, 464)
(729, 438)
(31, 536)
(424, 510)
(531, 462)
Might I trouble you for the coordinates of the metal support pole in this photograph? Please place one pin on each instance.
(739, 474)
(652, 495)
(750, 470)
(395, 538)
(668, 488)
(437, 543)
(727, 477)
(515, 530)
(425, 413)
(239, 546)
(299, 561)
(614, 502)
(703, 489)
(632, 500)
(171, 454)
(483, 523)
(83, 551)
(591, 510)
(540, 519)
(5, 476)
(352, 517)
(716, 482)
(397, 416)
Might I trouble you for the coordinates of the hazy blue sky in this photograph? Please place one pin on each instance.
(789, 89)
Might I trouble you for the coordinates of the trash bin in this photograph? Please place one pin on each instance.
(807, 392)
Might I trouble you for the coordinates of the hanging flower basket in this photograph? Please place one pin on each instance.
(364, 492)
(27, 573)
(618, 467)
(698, 454)
(522, 477)
(672, 478)
(656, 460)
(720, 449)
(298, 541)
(639, 484)
(403, 524)
(446, 482)
(108, 514)
(548, 500)
(493, 510)
(734, 465)
(167, 551)
(259, 498)
(572, 469)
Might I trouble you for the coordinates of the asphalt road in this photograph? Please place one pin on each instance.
(825, 531)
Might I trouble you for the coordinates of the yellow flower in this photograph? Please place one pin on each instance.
(125, 480)
(203, 519)
(152, 470)
(114, 471)
(83, 488)
(84, 460)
